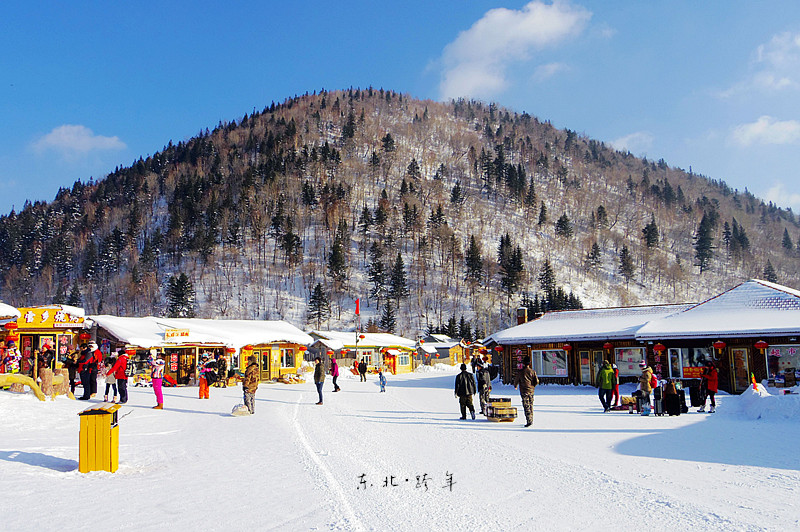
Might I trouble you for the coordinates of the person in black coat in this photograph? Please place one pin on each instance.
(484, 386)
(71, 363)
(85, 372)
(362, 370)
(464, 390)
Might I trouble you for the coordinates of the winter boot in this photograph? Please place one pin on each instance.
(702, 408)
(105, 398)
(712, 410)
(159, 406)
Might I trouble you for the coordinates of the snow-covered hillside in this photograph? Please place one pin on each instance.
(402, 460)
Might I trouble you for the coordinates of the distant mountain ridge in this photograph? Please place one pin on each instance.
(437, 215)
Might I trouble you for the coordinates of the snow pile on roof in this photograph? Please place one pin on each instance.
(348, 338)
(150, 331)
(751, 308)
(585, 325)
(7, 311)
(760, 404)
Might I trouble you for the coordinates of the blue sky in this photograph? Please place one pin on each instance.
(87, 86)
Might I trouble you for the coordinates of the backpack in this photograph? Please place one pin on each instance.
(653, 381)
(129, 369)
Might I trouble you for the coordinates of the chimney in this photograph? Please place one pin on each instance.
(522, 315)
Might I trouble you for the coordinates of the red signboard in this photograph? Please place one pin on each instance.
(692, 372)
(173, 366)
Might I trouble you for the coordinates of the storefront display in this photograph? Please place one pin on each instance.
(688, 362)
(628, 359)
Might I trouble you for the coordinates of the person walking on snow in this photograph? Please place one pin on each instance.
(645, 379)
(250, 383)
(527, 380)
(615, 390)
(464, 390)
(156, 374)
(711, 380)
(605, 385)
(362, 370)
(319, 377)
(382, 380)
(484, 385)
(222, 372)
(335, 374)
(206, 370)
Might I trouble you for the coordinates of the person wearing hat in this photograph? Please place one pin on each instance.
(319, 377)
(156, 375)
(207, 375)
(605, 385)
(464, 390)
(710, 378)
(84, 371)
(644, 381)
(250, 383)
(527, 380)
(95, 361)
(484, 385)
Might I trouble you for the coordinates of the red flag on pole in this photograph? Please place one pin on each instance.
(358, 307)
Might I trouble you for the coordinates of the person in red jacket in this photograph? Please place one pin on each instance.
(615, 390)
(94, 366)
(119, 368)
(711, 380)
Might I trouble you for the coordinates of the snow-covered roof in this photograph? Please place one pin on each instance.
(150, 331)
(427, 348)
(334, 345)
(752, 308)
(7, 311)
(348, 339)
(585, 325)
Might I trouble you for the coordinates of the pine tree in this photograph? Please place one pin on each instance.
(474, 261)
(388, 143)
(626, 266)
(398, 285)
(337, 264)
(703, 244)
(769, 273)
(650, 233)
(376, 272)
(602, 216)
(594, 257)
(456, 195)
(319, 306)
(180, 297)
(388, 320)
(547, 278)
(542, 215)
(787, 243)
(564, 226)
(74, 298)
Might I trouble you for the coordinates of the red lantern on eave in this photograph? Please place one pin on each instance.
(361, 336)
(130, 351)
(761, 345)
(84, 336)
(608, 345)
(230, 350)
(11, 325)
(12, 337)
(719, 345)
(567, 348)
(659, 347)
(329, 353)
(302, 348)
(498, 348)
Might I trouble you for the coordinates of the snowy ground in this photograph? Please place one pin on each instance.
(298, 466)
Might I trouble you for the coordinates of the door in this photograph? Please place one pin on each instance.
(264, 358)
(586, 368)
(598, 357)
(740, 370)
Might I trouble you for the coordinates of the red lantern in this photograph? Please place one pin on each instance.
(761, 345)
(361, 336)
(437, 355)
(567, 348)
(330, 353)
(230, 350)
(84, 336)
(10, 326)
(12, 337)
(719, 345)
(608, 345)
(659, 347)
(498, 348)
(302, 348)
(130, 351)
(248, 347)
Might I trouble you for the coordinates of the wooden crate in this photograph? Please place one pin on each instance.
(501, 413)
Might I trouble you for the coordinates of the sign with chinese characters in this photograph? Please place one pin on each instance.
(47, 318)
(692, 372)
(173, 366)
(176, 334)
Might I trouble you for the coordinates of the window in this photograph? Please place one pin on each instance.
(783, 357)
(404, 360)
(688, 362)
(550, 363)
(287, 358)
(628, 359)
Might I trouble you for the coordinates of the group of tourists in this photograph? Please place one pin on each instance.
(608, 388)
(358, 367)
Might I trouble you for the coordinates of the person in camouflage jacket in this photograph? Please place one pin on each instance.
(250, 384)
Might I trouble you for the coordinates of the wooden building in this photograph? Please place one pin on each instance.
(56, 326)
(752, 328)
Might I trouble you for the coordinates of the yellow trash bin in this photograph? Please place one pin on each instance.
(99, 438)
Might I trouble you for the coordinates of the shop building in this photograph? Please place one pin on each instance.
(277, 345)
(36, 328)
